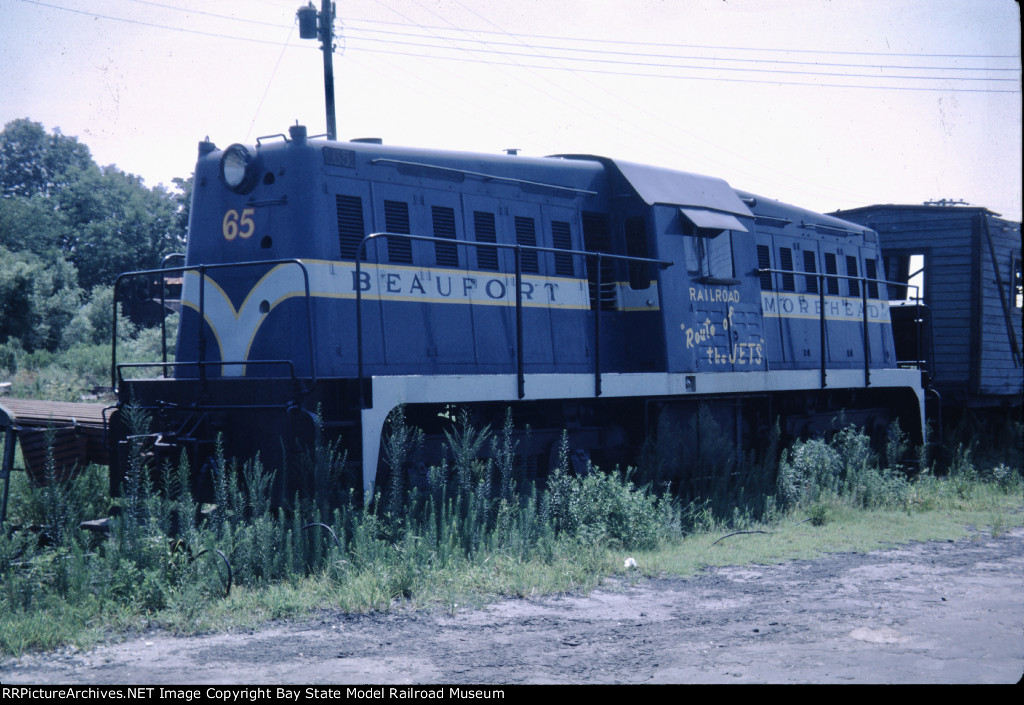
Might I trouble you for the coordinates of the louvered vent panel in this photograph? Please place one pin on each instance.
(812, 267)
(786, 262)
(851, 269)
(396, 220)
(446, 255)
(871, 272)
(526, 234)
(561, 237)
(832, 284)
(350, 224)
(764, 262)
(484, 231)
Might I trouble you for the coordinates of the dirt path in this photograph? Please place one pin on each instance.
(940, 612)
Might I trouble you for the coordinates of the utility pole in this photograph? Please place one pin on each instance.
(308, 17)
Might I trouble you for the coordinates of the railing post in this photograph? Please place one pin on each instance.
(163, 310)
(8, 463)
(113, 339)
(310, 333)
(163, 326)
(202, 323)
(867, 342)
(918, 321)
(358, 284)
(520, 366)
(597, 331)
(821, 324)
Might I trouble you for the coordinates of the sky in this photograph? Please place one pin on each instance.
(820, 103)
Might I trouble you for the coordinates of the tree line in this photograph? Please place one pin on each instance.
(68, 227)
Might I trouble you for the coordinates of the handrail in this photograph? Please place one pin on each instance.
(290, 364)
(483, 176)
(518, 250)
(163, 306)
(863, 281)
(201, 269)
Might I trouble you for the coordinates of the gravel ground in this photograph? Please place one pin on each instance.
(937, 612)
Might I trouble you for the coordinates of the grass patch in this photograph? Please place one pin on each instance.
(795, 537)
(471, 534)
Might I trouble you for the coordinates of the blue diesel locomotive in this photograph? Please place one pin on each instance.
(327, 283)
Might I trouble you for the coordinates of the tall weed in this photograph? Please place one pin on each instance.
(694, 458)
(844, 468)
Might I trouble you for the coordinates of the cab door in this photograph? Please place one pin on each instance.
(484, 287)
(726, 326)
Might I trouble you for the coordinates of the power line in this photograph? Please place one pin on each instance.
(565, 94)
(661, 140)
(190, 11)
(559, 48)
(269, 83)
(536, 51)
(155, 25)
(666, 141)
(559, 96)
(600, 71)
(686, 66)
(634, 74)
(702, 46)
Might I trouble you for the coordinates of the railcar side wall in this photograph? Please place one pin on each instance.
(969, 258)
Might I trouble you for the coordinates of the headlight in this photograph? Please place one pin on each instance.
(238, 168)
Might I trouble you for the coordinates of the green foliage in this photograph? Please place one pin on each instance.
(503, 449)
(116, 224)
(808, 471)
(1008, 479)
(691, 454)
(463, 444)
(962, 473)
(867, 484)
(846, 468)
(992, 437)
(31, 224)
(608, 508)
(818, 514)
(68, 226)
(897, 445)
(67, 375)
(56, 200)
(37, 299)
(400, 441)
(34, 163)
(93, 323)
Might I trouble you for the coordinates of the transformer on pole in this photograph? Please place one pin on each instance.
(308, 16)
